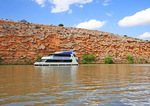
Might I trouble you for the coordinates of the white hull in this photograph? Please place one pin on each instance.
(53, 64)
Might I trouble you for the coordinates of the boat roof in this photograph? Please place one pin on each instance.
(68, 52)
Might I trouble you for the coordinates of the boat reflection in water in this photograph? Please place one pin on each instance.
(58, 74)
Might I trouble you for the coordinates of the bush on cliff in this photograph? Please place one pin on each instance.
(108, 60)
(61, 25)
(84, 59)
(38, 59)
(91, 57)
(130, 59)
(125, 36)
(37, 27)
(23, 21)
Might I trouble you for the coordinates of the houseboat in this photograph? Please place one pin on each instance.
(64, 57)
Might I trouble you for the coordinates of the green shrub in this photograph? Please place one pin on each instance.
(85, 59)
(91, 57)
(125, 36)
(38, 59)
(130, 59)
(88, 58)
(61, 25)
(141, 59)
(108, 60)
(37, 27)
(23, 20)
(27, 62)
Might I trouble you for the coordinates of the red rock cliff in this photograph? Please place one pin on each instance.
(20, 42)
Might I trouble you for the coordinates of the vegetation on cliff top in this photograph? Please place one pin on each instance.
(23, 20)
(61, 25)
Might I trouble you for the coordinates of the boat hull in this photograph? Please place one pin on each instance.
(54, 64)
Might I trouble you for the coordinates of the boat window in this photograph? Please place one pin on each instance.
(43, 60)
(58, 60)
(50, 55)
(62, 55)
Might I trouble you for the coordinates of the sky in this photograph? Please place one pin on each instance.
(123, 17)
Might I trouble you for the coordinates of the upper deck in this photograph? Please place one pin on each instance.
(65, 55)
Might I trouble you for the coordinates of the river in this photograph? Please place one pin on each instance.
(83, 85)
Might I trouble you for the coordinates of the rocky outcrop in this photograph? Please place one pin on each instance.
(21, 42)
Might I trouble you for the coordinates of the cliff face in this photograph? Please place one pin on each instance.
(20, 42)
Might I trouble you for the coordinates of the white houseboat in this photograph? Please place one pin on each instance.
(65, 57)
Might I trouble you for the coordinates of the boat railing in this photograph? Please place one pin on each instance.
(59, 57)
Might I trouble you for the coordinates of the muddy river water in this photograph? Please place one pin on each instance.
(83, 85)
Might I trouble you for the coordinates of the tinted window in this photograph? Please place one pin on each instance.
(62, 55)
(58, 60)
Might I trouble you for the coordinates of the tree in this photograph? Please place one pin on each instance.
(23, 20)
(88, 58)
(84, 59)
(130, 59)
(108, 60)
(91, 57)
(125, 36)
(38, 59)
(61, 25)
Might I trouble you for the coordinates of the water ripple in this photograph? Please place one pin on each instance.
(85, 85)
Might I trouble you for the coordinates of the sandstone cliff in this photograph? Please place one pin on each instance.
(20, 42)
